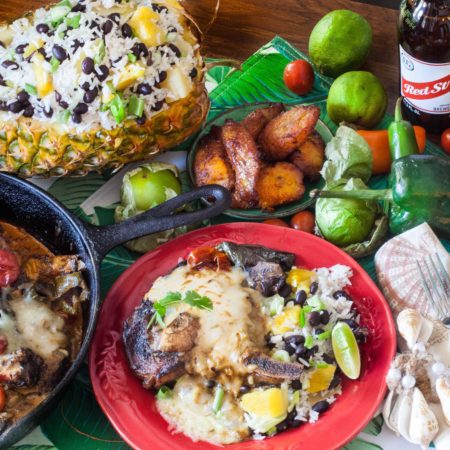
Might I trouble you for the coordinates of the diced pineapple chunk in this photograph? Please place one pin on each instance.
(129, 76)
(6, 35)
(178, 84)
(143, 23)
(272, 402)
(320, 379)
(287, 320)
(107, 94)
(301, 279)
(34, 45)
(175, 4)
(44, 79)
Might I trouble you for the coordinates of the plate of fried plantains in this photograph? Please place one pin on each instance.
(268, 155)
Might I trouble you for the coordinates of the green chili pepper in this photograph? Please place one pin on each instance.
(402, 139)
(420, 192)
(74, 21)
(309, 342)
(118, 108)
(31, 89)
(302, 319)
(54, 63)
(218, 400)
(163, 393)
(136, 106)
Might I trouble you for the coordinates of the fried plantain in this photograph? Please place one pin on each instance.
(288, 131)
(259, 118)
(278, 184)
(244, 156)
(211, 165)
(310, 156)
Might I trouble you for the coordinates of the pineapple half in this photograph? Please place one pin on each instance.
(87, 85)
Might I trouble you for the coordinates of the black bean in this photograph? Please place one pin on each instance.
(210, 384)
(312, 351)
(296, 384)
(344, 294)
(3, 106)
(162, 76)
(94, 24)
(144, 89)
(16, 107)
(42, 52)
(10, 65)
(295, 423)
(81, 108)
(266, 288)
(295, 339)
(76, 45)
(60, 101)
(141, 120)
(290, 348)
(28, 111)
(107, 27)
(88, 65)
(351, 323)
(300, 297)
(327, 358)
(90, 96)
(193, 73)
(76, 118)
(42, 28)
(321, 406)
(159, 8)
(48, 112)
(23, 97)
(139, 49)
(102, 73)
(20, 49)
(244, 389)
(313, 288)
(285, 290)
(158, 106)
(79, 7)
(314, 318)
(301, 351)
(175, 49)
(115, 17)
(86, 86)
(335, 382)
(59, 53)
(324, 317)
(127, 32)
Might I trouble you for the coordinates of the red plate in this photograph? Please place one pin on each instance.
(131, 409)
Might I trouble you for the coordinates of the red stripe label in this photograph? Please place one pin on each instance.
(423, 91)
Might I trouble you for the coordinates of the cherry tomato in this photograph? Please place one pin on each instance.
(9, 268)
(277, 222)
(303, 221)
(445, 140)
(299, 77)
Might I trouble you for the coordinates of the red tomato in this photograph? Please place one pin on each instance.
(299, 76)
(277, 222)
(9, 268)
(303, 221)
(445, 140)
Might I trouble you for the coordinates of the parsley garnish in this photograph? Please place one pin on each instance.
(190, 298)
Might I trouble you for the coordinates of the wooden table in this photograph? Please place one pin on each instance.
(242, 26)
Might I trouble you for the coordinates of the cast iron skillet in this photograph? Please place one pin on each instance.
(24, 205)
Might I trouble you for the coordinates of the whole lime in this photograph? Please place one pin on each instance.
(340, 42)
(358, 98)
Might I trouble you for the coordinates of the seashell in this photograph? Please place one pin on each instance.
(423, 426)
(397, 271)
(401, 414)
(387, 409)
(426, 330)
(409, 322)
(443, 392)
(442, 440)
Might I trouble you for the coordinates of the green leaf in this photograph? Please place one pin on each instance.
(375, 426)
(33, 447)
(194, 299)
(360, 444)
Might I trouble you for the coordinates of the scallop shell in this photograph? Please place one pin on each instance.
(443, 392)
(423, 426)
(409, 323)
(387, 409)
(397, 270)
(442, 439)
(400, 415)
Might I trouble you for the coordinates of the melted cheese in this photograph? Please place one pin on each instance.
(234, 326)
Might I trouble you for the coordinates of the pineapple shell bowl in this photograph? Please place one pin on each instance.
(87, 85)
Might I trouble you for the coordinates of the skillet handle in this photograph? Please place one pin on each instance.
(160, 218)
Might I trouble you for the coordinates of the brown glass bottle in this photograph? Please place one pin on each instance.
(424, 38)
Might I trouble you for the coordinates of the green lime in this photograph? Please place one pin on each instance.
(340, 42)
(346, 350)
(358, 98)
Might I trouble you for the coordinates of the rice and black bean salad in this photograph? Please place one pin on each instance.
(65, 64)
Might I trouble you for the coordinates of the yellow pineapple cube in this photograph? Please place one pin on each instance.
(143, 23)
(320, 379)
(178, 83)
(44, 79)
(272, 402)
(175, 4)
(301, 279)
(287, 320)
(129, 76)
(34, 45)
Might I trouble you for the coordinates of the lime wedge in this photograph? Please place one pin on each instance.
(346, 350)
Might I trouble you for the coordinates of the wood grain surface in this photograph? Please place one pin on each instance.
(242, 26)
